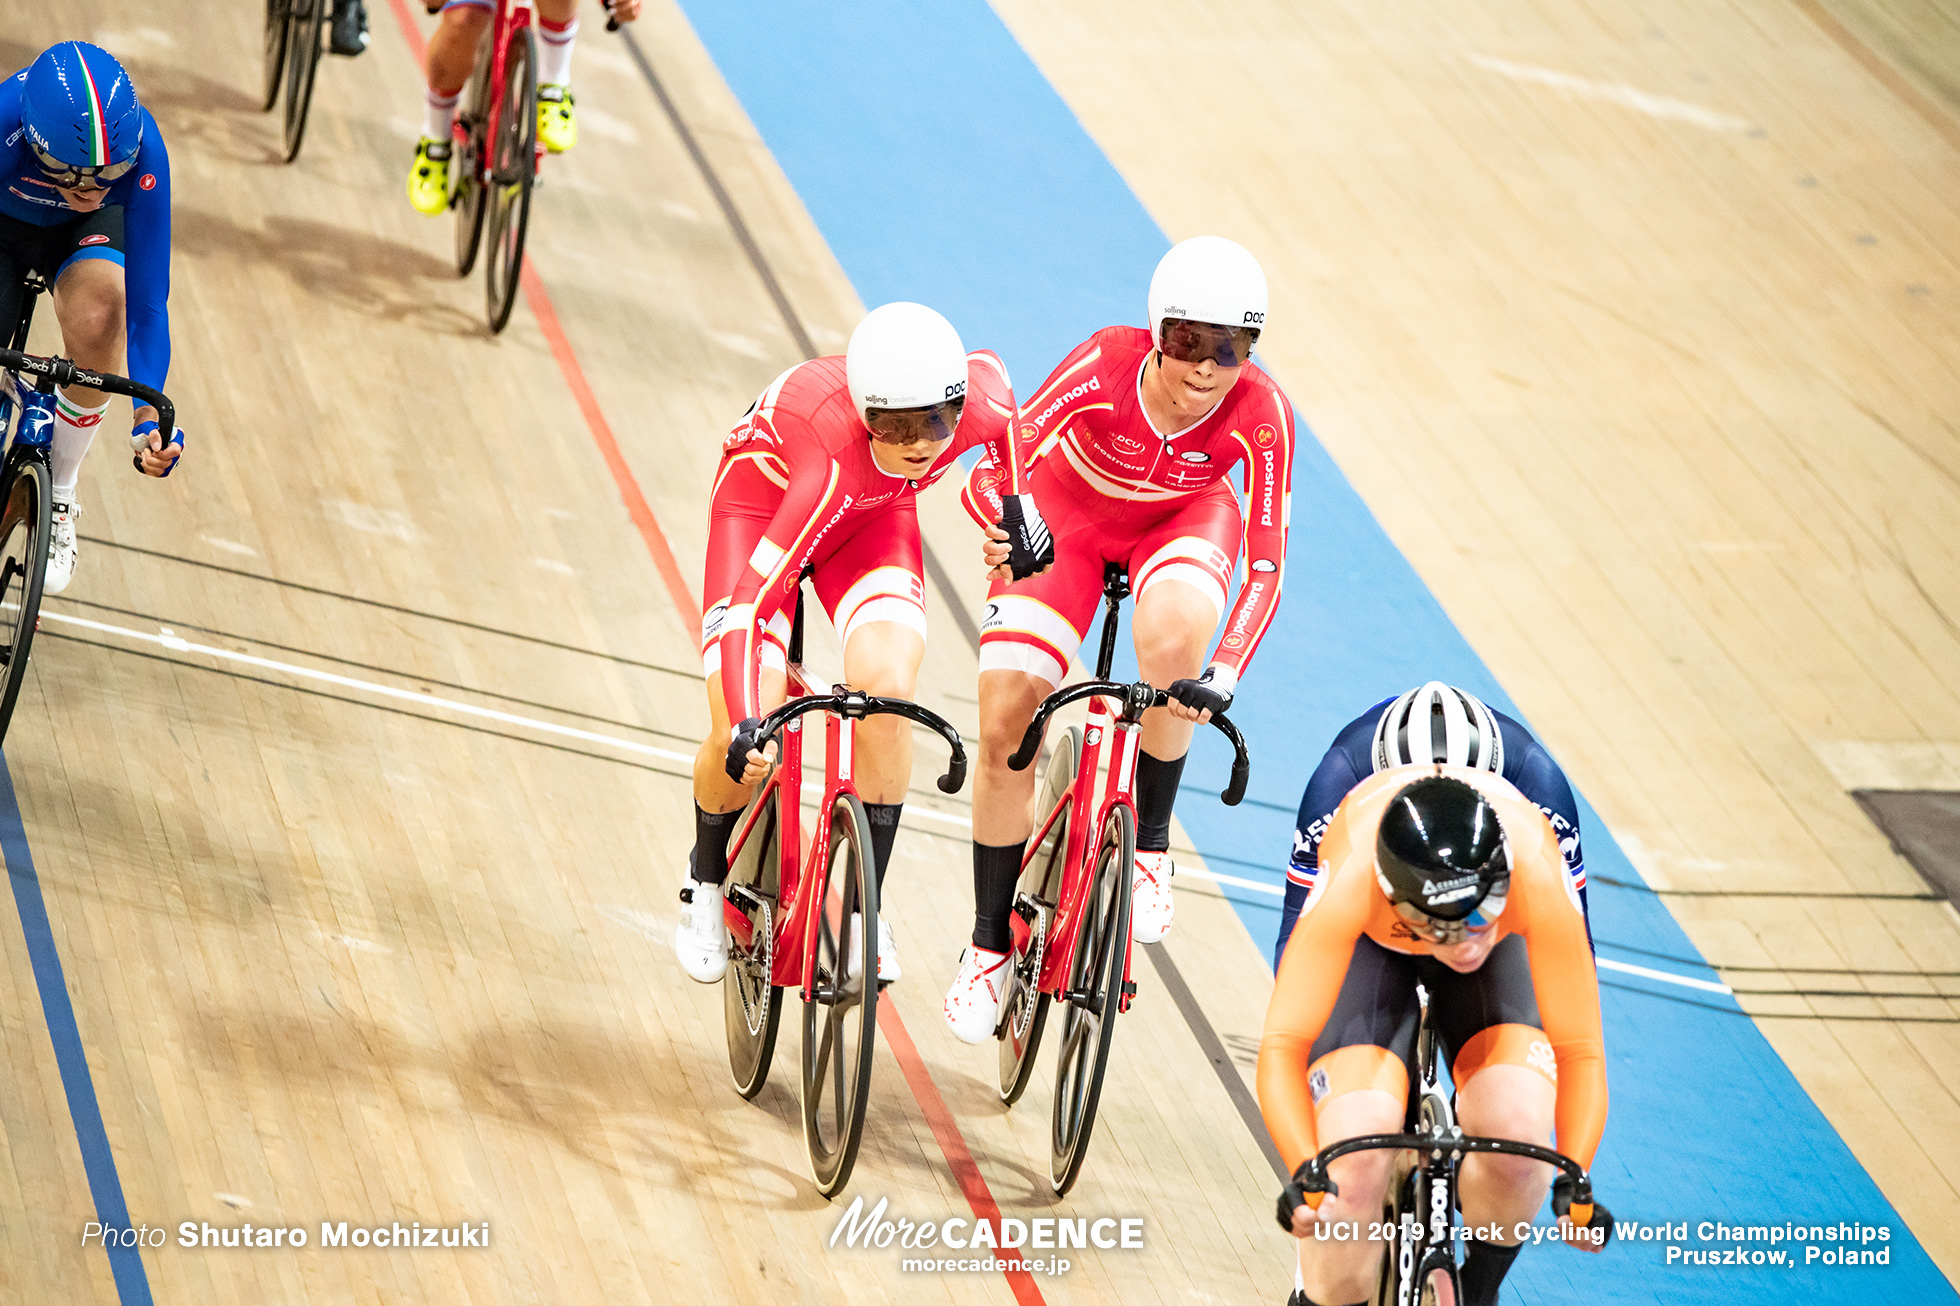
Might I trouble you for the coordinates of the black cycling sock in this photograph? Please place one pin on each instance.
(884, 830)
(1156, 790)
(708, 863)
(1484, 1267)
(995, 873)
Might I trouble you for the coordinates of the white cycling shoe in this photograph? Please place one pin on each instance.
(62, 549)
(973, 1003)
(1151, 907)
(887, 950)
(701, 939)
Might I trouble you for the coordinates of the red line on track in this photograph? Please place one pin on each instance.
(945, 1130)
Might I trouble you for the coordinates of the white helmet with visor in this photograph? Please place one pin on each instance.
(906, 369)
(1207, 300)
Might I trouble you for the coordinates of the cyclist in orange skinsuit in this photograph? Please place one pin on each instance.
(1501, 949)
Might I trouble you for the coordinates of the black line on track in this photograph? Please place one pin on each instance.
(391, 607)
(377, 707)
(382, 671)
(941, 578)
(1187, 1004)
(1773, 970)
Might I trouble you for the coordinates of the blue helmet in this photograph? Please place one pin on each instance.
(81, 114)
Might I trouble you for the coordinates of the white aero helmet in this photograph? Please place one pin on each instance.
(904, 356)
(1438, 724)
(1208, 279)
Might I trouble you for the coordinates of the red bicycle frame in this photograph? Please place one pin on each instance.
(793, 955)
(1081, 805)
(510, 16)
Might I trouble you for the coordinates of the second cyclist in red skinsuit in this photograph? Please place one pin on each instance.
(821, 477)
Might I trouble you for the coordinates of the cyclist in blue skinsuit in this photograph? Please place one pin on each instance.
(85, 200)
(1436, 723)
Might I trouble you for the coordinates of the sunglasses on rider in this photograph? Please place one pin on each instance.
(1445, 933)
(1194, 342)
(906, 426)
(69, 177)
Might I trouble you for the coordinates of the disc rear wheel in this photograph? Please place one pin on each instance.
(25, 529)
(1095, 979)
(513, 145)
(1023, 1007)
(305, 21)
(840, 1019)
(752, 1004)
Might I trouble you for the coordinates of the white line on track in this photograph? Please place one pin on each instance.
(176, 644)
(1654, 106)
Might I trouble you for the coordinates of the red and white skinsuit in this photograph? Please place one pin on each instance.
(1111, 488)
(798, 489)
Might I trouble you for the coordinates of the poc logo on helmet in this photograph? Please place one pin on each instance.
(1254, 319)
(956, 389)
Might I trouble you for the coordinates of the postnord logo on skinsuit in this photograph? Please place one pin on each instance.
(1264, 437)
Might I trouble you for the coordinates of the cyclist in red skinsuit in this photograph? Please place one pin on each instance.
(1129, 443)
(821, 476)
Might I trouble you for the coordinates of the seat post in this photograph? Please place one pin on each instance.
(1116, 587)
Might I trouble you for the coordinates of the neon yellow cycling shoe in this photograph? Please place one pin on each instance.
(428, 179)
(557, 119)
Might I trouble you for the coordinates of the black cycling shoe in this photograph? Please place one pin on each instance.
(348, 30)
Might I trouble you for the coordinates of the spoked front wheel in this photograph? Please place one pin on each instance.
(513, 145)
(25, 528)
(305, 20)
(1023, 1007)
(1095, 981)
(275, 51)
(752, 1004)
(840, 1019)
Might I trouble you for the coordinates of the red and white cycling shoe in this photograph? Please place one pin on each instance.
(973, 1003)
(1151, 907)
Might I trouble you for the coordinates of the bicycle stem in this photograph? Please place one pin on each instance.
(855, 706)
(1136, 699)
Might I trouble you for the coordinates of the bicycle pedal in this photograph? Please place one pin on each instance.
(1129, 988)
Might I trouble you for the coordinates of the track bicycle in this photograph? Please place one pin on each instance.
(26, 483)
(1420, 1206)
(801, 908)
(497, 154)
(1071, 917)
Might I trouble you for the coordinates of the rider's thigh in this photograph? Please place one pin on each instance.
(558, 11)
(1362, 1176)
(882, 658)
(1173, 625)
(89, 302)
(1008, 700)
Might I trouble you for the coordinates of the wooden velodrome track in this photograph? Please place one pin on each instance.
(337, 954)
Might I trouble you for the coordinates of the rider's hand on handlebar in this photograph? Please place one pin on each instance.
(1601, 1221)
(625, 10)
(1199, 700)
(1299, 1202)
(152, 456)
(748, 762)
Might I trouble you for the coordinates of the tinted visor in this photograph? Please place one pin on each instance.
(70, 177)
(1481, 917)
(902, 426)
(1194, 342)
